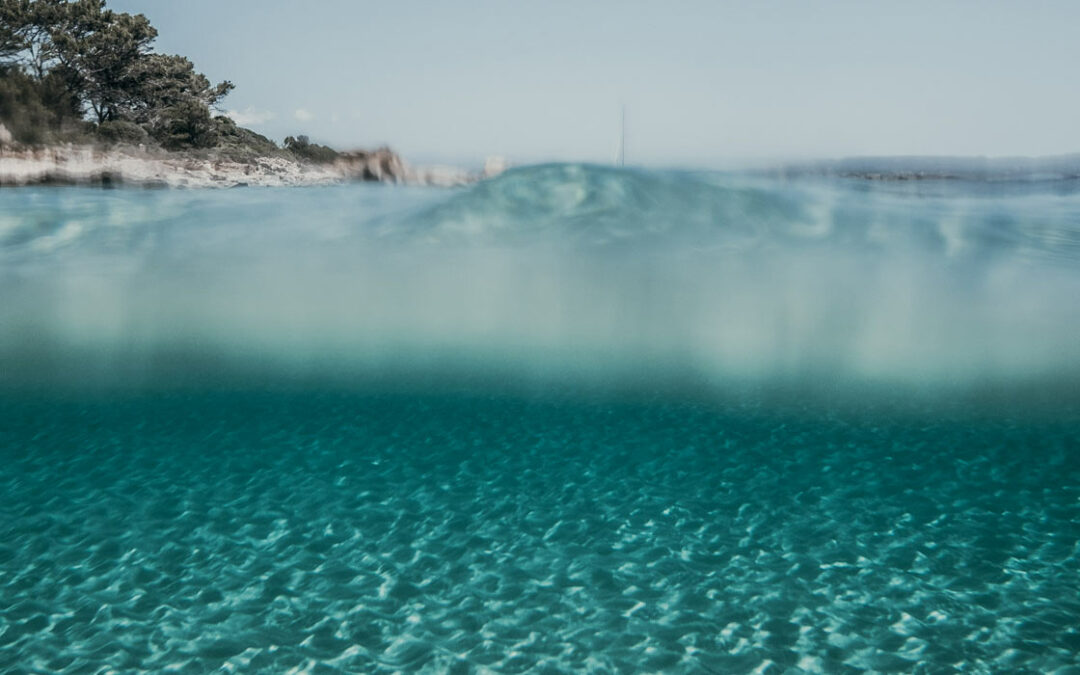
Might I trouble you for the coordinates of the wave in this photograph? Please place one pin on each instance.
(583, 205)
(568, 274)
(564, 206)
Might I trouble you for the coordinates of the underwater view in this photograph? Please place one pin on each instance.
(573, 418)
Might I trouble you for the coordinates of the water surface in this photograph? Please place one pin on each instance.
(571, 419)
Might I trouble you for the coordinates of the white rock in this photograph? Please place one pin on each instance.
(89, 165)
(494, 165)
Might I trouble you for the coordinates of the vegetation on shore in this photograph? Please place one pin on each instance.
(73, 71)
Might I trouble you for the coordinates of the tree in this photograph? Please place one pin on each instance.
(173, 101)
(97, 49)
(158, 81)
(26, 32)
(76, 56)
(11, 43)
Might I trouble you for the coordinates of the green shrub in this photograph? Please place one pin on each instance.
(187, 124)
(238, 143)
(302, 148)
(121, 131)
(37, 111)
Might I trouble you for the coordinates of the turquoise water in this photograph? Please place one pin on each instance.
(572, 419)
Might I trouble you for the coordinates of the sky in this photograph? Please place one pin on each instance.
(703, 83)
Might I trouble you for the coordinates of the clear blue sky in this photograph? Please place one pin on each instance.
(703, 82)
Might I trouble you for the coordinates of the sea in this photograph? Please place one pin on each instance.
(572, 419)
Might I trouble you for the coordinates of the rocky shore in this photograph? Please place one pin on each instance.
(88, 165)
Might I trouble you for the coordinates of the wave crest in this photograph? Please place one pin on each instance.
(589, 204)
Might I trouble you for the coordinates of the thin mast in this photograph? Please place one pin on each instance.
(622, 138)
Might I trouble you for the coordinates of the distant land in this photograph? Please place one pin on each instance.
(1056, 167)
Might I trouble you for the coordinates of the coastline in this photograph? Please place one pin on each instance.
(140, 167)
